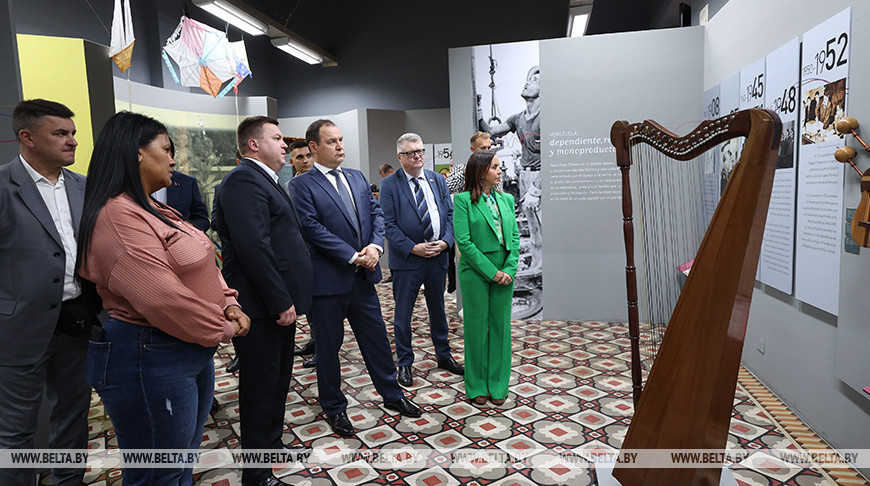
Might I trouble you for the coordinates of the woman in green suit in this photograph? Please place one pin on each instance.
(487, 237)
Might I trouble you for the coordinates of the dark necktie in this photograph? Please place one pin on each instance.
(422, 209)
(348, 202)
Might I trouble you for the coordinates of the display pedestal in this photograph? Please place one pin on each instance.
(604, 472)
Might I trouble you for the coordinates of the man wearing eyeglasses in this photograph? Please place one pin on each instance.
(418, 218)
(344, 225)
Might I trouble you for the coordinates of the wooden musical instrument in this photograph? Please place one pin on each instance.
(848, 125)
(861, 219)
(687, 400)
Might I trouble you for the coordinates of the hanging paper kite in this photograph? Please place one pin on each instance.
(121, 50)
(205, 58)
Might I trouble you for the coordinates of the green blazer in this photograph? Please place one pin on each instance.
(476, 239)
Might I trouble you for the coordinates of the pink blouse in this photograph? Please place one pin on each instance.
(151, 274)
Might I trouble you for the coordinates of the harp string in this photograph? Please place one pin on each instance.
(670, 225)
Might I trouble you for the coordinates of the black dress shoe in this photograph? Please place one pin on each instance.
(233, 365)
(405, 407)
(387, 280)
(405, 377)
(451, 365)
(341, 424)
(310, 362)
(305, 350)
(269, 480)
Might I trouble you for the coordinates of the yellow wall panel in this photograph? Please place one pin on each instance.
(54, 68)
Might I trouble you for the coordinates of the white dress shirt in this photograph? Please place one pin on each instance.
(56, 200)
(434, 215)
(265, 167)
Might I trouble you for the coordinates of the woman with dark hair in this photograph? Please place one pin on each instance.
(485, 228)
(168, 304)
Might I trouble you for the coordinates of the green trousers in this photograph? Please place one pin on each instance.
(487, 328)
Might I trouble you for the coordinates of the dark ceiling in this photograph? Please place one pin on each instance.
(392, 54)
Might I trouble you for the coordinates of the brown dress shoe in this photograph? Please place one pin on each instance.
(479, 400)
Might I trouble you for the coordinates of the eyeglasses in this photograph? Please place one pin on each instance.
(414, 153)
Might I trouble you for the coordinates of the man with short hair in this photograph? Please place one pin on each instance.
(385, 170)
(300, 157)
(456, 178)
(301, 160)
(44, 343)
(267, 261)
(418, 217)
(344, 225)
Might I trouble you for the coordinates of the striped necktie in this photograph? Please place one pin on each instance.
(422, 209)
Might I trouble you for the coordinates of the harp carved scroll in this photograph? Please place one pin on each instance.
(687, 400)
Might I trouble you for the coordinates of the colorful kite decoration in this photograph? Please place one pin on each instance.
(121, 50)
(205, 58)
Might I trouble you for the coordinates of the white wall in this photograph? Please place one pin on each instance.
(806, 351)
(355, 145)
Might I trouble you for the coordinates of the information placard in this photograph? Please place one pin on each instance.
(824, 80)
(782, 73)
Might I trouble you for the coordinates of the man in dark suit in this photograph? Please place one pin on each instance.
(40, 209)
(302, 162)
(267, 261)
(183, 195)
(418, 217)
(344, 225)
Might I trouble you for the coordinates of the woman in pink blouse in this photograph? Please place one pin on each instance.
(168, 304)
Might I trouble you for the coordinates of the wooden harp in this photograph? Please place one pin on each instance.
(687, 400)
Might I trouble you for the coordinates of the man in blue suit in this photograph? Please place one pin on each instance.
(418, 217)
(344, 225)
(267, 261)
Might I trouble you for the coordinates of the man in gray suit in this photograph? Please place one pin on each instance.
(43, 347)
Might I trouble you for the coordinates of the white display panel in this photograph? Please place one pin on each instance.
(824, 81)
(776, 263)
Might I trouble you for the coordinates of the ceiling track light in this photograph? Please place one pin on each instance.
(297, 50)
(233, 15)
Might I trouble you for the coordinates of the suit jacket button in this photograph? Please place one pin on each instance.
(56, 280)
(57, 254)
(54, 306)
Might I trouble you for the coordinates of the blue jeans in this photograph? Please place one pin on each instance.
(157, 390)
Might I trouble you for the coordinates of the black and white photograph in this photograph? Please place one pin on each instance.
(507, 86)
(785, 159)
(730, 153)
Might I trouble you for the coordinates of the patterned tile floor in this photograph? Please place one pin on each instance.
(569, 394)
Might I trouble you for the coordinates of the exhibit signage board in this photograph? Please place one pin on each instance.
(824, 77)
(782, 86)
